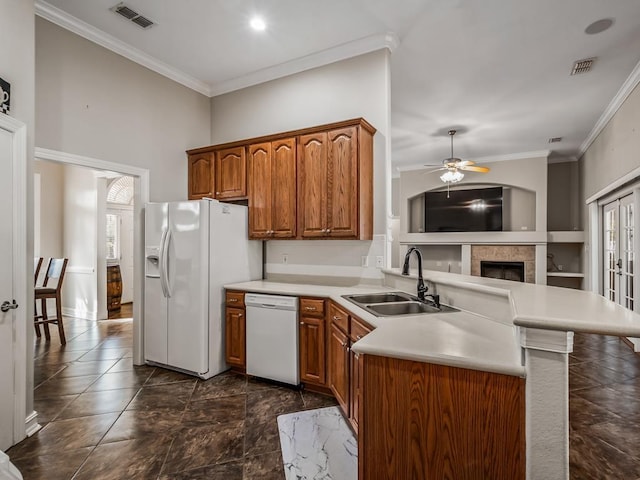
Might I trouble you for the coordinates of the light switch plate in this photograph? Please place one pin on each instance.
(379, 261)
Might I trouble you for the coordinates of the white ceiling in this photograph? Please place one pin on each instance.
(497, 70)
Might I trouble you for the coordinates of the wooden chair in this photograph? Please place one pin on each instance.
(55, 270)
(37, 264)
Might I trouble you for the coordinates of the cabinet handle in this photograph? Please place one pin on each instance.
(232, 300)
(336, 318)
(217, 193)
(240, 315)
(358, 337)
(356, 356)
(328, 230)
(344, 344)
(323, 230)
(301, 323)
(310, 309)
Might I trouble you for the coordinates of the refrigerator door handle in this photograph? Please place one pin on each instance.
(163, 247)
(165, 267)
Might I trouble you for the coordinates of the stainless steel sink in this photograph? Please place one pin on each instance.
(406, 308)
(380, 298)
(393, 304)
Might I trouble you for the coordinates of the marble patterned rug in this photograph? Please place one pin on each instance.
(319, 445)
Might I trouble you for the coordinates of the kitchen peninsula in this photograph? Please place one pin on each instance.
(513, 334)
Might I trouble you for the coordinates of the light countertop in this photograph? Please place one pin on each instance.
(460, 339)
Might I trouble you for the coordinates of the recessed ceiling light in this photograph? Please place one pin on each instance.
(258, 24)
(555, 139)
(599, 26)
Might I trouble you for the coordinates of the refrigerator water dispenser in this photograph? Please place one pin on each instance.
(152, 263)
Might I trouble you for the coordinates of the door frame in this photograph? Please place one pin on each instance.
(141, 197)
(18, 130)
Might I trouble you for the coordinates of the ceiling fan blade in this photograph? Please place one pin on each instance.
(474, 169)
(466, 162)
(433, 170)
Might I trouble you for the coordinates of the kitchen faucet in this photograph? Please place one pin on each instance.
(422, 288)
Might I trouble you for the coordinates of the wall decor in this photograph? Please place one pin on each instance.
(5, 96)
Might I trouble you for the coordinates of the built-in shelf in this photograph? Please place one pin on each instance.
(474, 238)
(570, 236)
(565, 274)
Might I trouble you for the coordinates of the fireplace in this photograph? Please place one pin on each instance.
(503, 270)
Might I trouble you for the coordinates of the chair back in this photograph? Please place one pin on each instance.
(37, 264)
(55, 270)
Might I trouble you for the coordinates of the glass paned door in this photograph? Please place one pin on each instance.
(618, 251)
(627, 252)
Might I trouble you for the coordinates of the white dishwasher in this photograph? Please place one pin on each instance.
(272, 337)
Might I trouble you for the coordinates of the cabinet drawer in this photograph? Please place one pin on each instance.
(359, 329)
(311, 306)
(235, 299)
(339, 317)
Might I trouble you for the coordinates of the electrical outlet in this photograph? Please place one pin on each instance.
(379, 261)
(560, 267)
(285, 258)
(365, 261)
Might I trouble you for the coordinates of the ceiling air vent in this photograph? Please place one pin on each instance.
(555, 139)
(130, 14)
(582, 66)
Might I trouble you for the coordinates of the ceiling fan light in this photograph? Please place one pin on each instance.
(452, 176)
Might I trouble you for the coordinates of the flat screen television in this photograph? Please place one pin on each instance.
(476, 210)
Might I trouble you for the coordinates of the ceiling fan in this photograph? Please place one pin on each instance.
(454, 166)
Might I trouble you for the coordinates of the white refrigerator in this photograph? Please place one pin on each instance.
(192, 249)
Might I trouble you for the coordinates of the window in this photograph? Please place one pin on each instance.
(113, 237)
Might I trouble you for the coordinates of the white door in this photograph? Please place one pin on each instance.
(7, 319)
(188, 284)
(619, 252)
(13, 266)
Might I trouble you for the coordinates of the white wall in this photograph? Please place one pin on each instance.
(613, 154)
(358, 87)
(80, 245)
(51, 208)
(95, 103)
(17, 26)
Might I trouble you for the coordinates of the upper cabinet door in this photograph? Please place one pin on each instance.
(312, 185)
(231, 173)
(342, 173)
(283, 184)
(200, 173)
(260, 205)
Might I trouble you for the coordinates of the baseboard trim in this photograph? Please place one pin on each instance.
(77, 313)
(31, 423)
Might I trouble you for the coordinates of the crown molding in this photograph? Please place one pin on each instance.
(345, 51)
(83, 29)
(489, 159)
(625, 90)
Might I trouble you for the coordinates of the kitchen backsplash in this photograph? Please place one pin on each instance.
(335, 262)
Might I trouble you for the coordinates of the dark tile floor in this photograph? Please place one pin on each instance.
(604, 409)
(103, 418)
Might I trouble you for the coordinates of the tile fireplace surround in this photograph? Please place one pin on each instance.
(505, 253)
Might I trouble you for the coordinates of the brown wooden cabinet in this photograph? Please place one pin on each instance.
(272, 189)
(312, 341)
(358, 330)
(313, 183)
(231, 173)
(335, 183)
(235, 331)
(338, 355)
(200, 175)
(429, 421)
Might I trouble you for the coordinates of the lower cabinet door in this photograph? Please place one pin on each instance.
(235, 353)
(339, 366)
(356, 389)
(312, 350)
